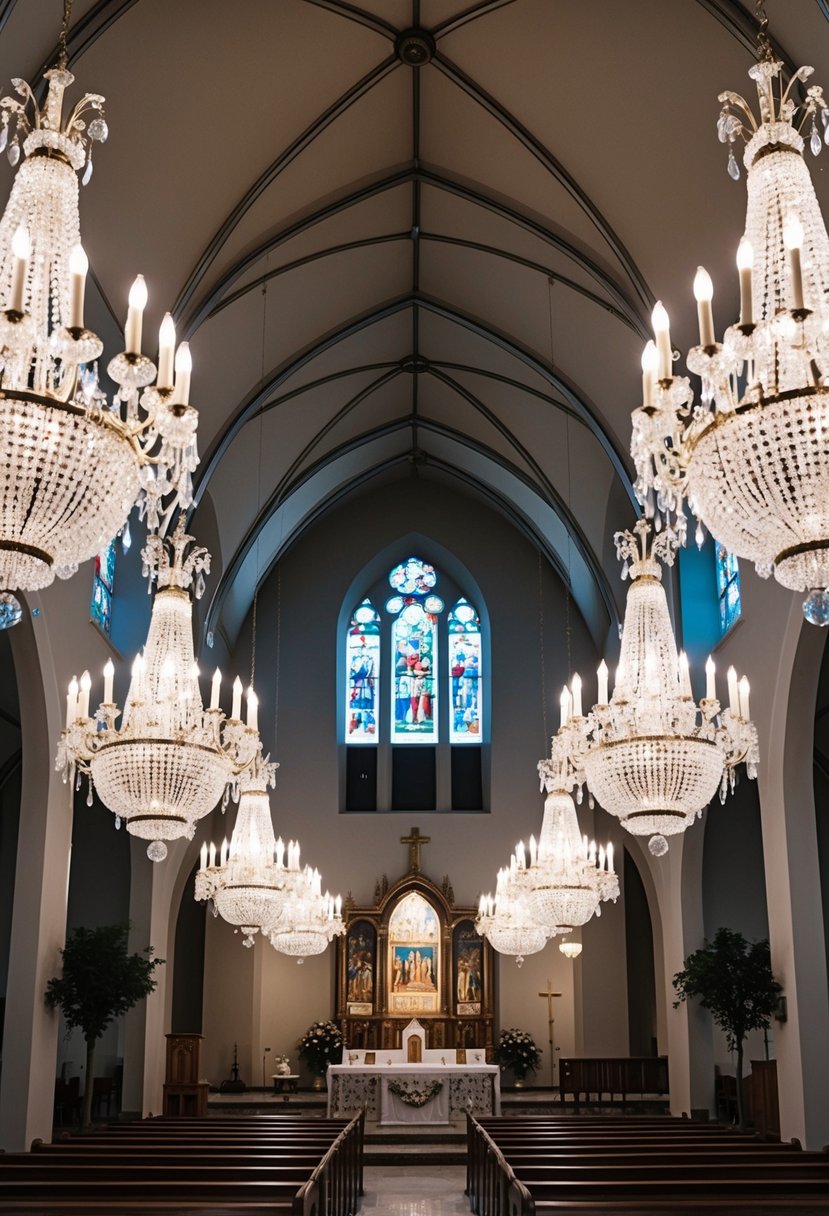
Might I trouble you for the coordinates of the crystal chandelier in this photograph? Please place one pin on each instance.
(507, 919)
(73, 465)
(570, 950)
(258, 884)
(752, 458)
(649, 754)
(171, 760)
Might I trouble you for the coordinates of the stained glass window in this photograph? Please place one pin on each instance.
(102, 583)
(728, 587)
(363, 666)
(464, 660)
(414, 709)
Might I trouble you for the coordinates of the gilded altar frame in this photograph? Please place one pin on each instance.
(393, 964)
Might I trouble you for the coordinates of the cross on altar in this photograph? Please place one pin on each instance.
(551, 1023)
(415, 842)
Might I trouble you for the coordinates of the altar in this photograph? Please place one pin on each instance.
(431, 1092)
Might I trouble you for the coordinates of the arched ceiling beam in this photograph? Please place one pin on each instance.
(743, 26)
(6, 9)
(436, 238)
(202, 308)
(255, 400)
(545, 158)
(285, 158)
(274, 502)
(359, 15)
(481, 9)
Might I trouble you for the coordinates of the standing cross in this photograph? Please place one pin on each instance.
(415, 842)
(551, 1023)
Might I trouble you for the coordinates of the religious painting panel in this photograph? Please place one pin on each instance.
(414, 962)
(468, 954)
(361, 968)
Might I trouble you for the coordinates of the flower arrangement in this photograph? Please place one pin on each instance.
(411, 1095)
(321, 1045)
(516, 1050)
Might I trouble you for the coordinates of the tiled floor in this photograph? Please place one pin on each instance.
(430, 1191)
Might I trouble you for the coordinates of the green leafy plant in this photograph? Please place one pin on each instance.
(321, 1045)
(732, 978)
(517, 1050)
(100, 982)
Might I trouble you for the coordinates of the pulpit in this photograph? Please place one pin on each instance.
(185, 1095)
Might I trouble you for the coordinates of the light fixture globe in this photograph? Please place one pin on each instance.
(73, 466)
(751, 458)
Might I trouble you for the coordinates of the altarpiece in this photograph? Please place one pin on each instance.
(414, 954)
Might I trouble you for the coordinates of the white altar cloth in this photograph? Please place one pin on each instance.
(463, 1086)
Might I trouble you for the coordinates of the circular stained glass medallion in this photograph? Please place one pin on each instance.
(413, 577)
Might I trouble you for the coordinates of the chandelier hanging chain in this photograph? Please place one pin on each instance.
(765, 52)
(63, 53)
(541, 647)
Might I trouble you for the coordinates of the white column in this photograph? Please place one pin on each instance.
(41, 886)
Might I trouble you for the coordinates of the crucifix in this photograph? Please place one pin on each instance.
(415, 842)
(551, 1023)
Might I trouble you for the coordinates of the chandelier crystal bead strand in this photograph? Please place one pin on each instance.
(171, 760)
(751, 457)
(73, 464)
(649, 754)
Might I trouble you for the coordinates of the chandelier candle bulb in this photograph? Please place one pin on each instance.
(109, 676)
(21, 250)
(236, 711)
(135, 316)
(212, 854)
(253, 710)
(610, 869)
(710, 680)
(78, 267)
(745, 265)
(564, 701)
(576, 689)
(602, 674)
(733, 692)
(223, 855)
(684, 675)
(662, 333)
(744, 689)
(83, 697)
(601, 856)
(72, 702)
(215, 689)
(533, 850)
(793, 240)
(704, 294)
(166, 351)
(184, 368)
(203, 856)
(650, 366)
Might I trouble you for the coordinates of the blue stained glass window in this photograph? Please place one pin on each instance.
(363, 666)
(728, 587)
(464, 674)
(414, 643)
(103, 581)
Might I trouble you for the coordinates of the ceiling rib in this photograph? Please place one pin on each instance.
(251, 405)
(482, 9)
(742, 26)
(544, 156)
(202, 308)
(359, 15)
(285, 158)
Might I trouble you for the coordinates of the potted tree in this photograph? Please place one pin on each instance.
(100, 982)
(517, 1050)
(732, 978)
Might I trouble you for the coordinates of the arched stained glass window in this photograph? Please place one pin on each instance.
(414, 709)
(103, 581)
(363, 665)
(464, 660)
(728, 587)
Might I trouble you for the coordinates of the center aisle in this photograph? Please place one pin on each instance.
(404, 1191)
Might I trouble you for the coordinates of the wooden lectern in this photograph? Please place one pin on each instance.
(185, 1096)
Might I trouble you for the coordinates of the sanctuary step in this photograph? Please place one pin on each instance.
(415, 1146)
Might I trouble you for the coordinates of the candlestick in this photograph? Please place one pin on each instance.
(576, 689)
(253, 709)
(564, 701)
(212, 854)
(744, 689)
(215, 689)
(602, 673)
(78, 266)
(236, 712)
(662, 333)
(109, 675)
(733, 692)
(704, 294)
(745, 265)
(166, 350)
(203, 856)
(184, 366)
(135, 316)
(650, 366)
(83, 696)
(72, 702)
(793, 240)
(21, 251)
(710, 684)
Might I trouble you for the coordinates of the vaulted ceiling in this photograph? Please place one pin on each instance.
(388, 270)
